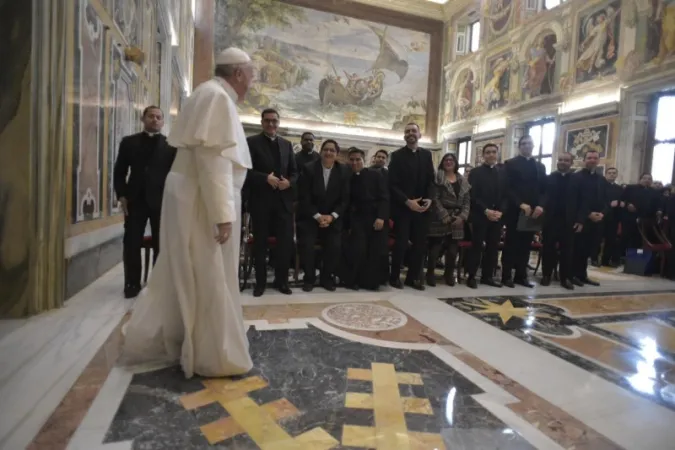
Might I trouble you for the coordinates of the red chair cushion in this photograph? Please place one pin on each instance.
(464, 244)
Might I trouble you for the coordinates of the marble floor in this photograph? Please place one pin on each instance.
(447, 368)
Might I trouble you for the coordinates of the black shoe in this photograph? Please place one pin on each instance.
(328, 285)
(258, 291)
(567, 284)
(524, 282)
(508, 282)
(132, 291)
(396, 283)
(590, 282)
(450, 281)
(577, 282)
(545, 281)
(595, 263)
(471, 282)
(308, 287)
(415, 284)
(284, 289)
(431, 280)
(490, 282)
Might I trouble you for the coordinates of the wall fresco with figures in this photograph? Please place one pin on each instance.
(349, 68)
(107, 94)
(529, 58)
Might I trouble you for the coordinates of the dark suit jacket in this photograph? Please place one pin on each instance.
(481, 198)
(372, 199)
(523, 188)
(647, 201)
(402, 183)
(588, 194)
(260, 194)
(558, 193)
(315, 198)
(146, 167)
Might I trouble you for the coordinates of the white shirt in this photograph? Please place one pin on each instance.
(326, 178)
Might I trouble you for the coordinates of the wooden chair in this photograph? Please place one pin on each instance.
(657, 243)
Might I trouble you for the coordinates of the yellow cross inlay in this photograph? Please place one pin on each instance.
(506, 310)
(246, 416)
(390, 431)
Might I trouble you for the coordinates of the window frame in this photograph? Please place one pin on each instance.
(468, 142)
(538, 154)
(652, 142)
(469, 36)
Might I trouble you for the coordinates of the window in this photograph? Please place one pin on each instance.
(474, 36)
(663, 152)
(550, 4)
(543, 138)
(468, 38)
(464, 154)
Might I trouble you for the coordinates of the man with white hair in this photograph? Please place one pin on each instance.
(191, 311)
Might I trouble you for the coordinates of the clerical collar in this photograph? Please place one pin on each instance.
(271, 138)
(526, 157)
(491, 166)
(150, 134)
(412, 149)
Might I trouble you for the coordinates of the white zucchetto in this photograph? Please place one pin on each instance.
(232, 56)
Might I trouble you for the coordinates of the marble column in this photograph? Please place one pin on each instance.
(204, 41)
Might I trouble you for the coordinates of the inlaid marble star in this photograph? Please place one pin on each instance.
(505, 311)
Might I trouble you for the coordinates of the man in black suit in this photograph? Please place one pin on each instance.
(488, 202)
(558, 232)
(610, 223)
(368, 213)
(307, 154)
(411, 184)
(526, 189)
(324, 198)
(588, 192)
(379, 164)
(146, 159)
(642, 203)
(270, 201)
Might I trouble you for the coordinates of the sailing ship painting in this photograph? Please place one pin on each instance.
(324, 67)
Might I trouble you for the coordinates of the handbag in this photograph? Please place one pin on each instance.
(529, 224)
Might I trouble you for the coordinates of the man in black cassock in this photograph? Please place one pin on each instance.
(488, 201)
(366, 242)
(146, 158)
(558, 232)
(610, 223)
(411, 184)
(588, 191)
(526, 189)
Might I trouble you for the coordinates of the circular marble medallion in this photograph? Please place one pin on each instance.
(364, 317)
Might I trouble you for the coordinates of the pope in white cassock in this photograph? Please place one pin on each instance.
(191, 310)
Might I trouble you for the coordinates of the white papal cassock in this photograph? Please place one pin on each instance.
(191, 310)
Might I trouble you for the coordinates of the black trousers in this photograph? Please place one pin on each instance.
(517, 249)
(583, 244)
(447, 246)
(309, 235)
(630, 235)
(410, 227)
(610, 235)
(134, 231)
(364, 249)
(485, 237)
(274, 220)
(558, 249)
